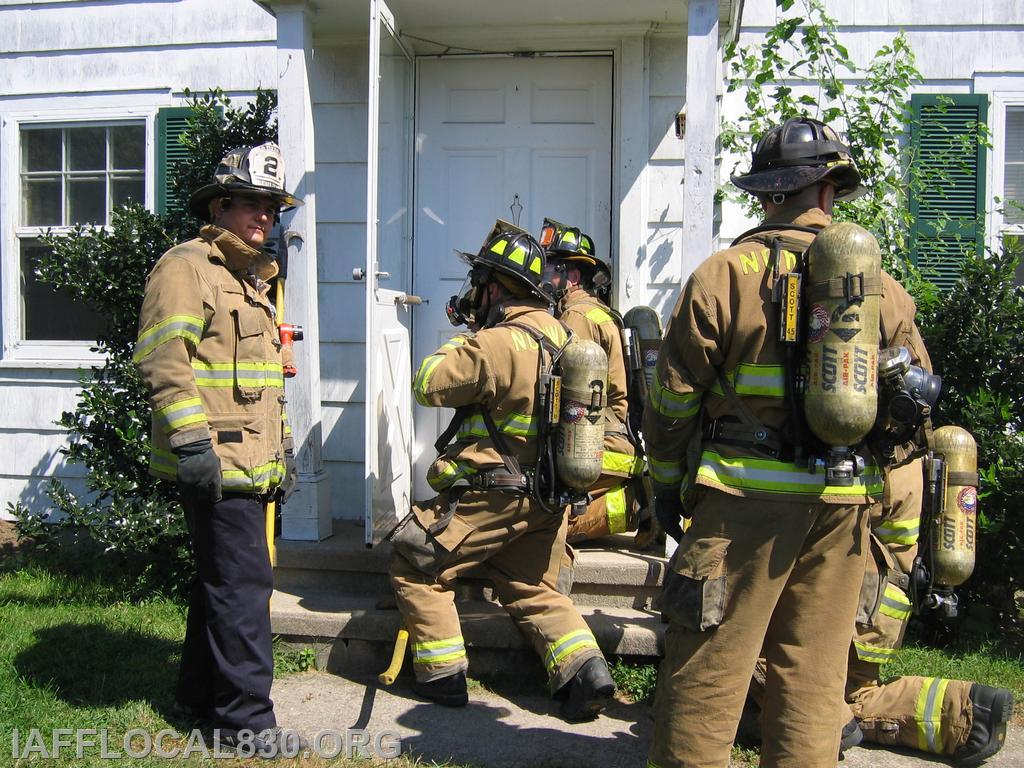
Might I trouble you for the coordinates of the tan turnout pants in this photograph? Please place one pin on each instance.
(522, 548)
(930, 714)
(753, 574)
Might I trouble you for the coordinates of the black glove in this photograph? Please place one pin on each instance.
(291, 478)
(668, 508)
(198, 473)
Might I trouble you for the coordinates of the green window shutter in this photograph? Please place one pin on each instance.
(948, 206)
(171, 122)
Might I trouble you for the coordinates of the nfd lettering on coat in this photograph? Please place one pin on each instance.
(754, 261)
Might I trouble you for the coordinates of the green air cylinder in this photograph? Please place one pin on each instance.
(579, 448)
(646, 326)
(843, 289)
(954, 534)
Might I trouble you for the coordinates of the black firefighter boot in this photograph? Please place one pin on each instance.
(447, 691)
(589, 691)
(992, 710)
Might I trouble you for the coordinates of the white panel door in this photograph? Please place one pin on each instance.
(490, 133)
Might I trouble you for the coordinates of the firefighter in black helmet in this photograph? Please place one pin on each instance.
(773, 559)
(485, 514)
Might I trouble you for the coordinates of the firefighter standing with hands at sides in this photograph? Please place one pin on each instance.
(487, 512)
(210, 355)
(774, 556)
(581, 281)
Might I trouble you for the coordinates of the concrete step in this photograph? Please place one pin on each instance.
(609, 573)
(353, 634)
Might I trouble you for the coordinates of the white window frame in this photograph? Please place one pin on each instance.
(1001, 100)
(19, 352)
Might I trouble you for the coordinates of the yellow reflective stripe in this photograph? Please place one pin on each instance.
(598, 315)
(894, 603)
(438, 651)
(518, 255)
(180, 414)
(781, 477)
(905, 532)
(423, 377)
(286, 426)
(536, 265)
(673, 405)
(873, 653)
(665, 472)
(567, 645)
(518, 424)
(163, 463)
(623, 463)
(244, 373)
(615, 509)
(174, 327)
(755, 379)
(499, 247)
(928, 713)
(441, 477)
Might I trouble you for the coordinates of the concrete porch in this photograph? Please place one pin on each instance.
(334, 596)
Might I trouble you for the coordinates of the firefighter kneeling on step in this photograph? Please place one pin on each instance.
(580, 282)
(775, 553)
(488, 514)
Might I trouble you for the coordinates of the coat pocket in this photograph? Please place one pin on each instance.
(694, 594)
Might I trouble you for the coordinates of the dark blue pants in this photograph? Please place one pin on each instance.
(227, 665)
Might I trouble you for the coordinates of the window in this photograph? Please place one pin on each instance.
(1012, 192)
(948, 209)
(68, 175)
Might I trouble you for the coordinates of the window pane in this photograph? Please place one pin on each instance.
(87, 149)
(48, 314)
(87, 200)
(128, 147)
(1015, 244)
(1013, 194)
(1015, 134)
(40, 202)
(40, 149)
(124, 187)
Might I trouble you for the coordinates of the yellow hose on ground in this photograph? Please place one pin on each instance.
(387, 677)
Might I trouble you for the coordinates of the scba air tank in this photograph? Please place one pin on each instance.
(645, 324)
(954, 534)
(844, 266)
(579, 449)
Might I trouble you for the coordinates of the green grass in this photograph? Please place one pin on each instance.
(76, 653)
(979, 660)
(635, 680)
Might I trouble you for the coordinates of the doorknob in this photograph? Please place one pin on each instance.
(410, 301)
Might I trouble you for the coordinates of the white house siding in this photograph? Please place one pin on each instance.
(75, 61)
(974, 47)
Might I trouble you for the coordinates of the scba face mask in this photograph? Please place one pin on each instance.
(462, 307)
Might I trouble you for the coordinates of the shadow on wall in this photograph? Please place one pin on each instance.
(34, 493)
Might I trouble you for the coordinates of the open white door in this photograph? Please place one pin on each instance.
(388, 252)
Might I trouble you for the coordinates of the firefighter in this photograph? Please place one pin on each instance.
(964, 720)
(581, 282)
(773, 556)
(948, 717)
(209, 353)
(486, 513)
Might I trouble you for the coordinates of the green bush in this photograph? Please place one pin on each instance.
(125, 510)
(974, 335)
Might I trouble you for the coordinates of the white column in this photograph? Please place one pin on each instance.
(307, 515)
(699, 180)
